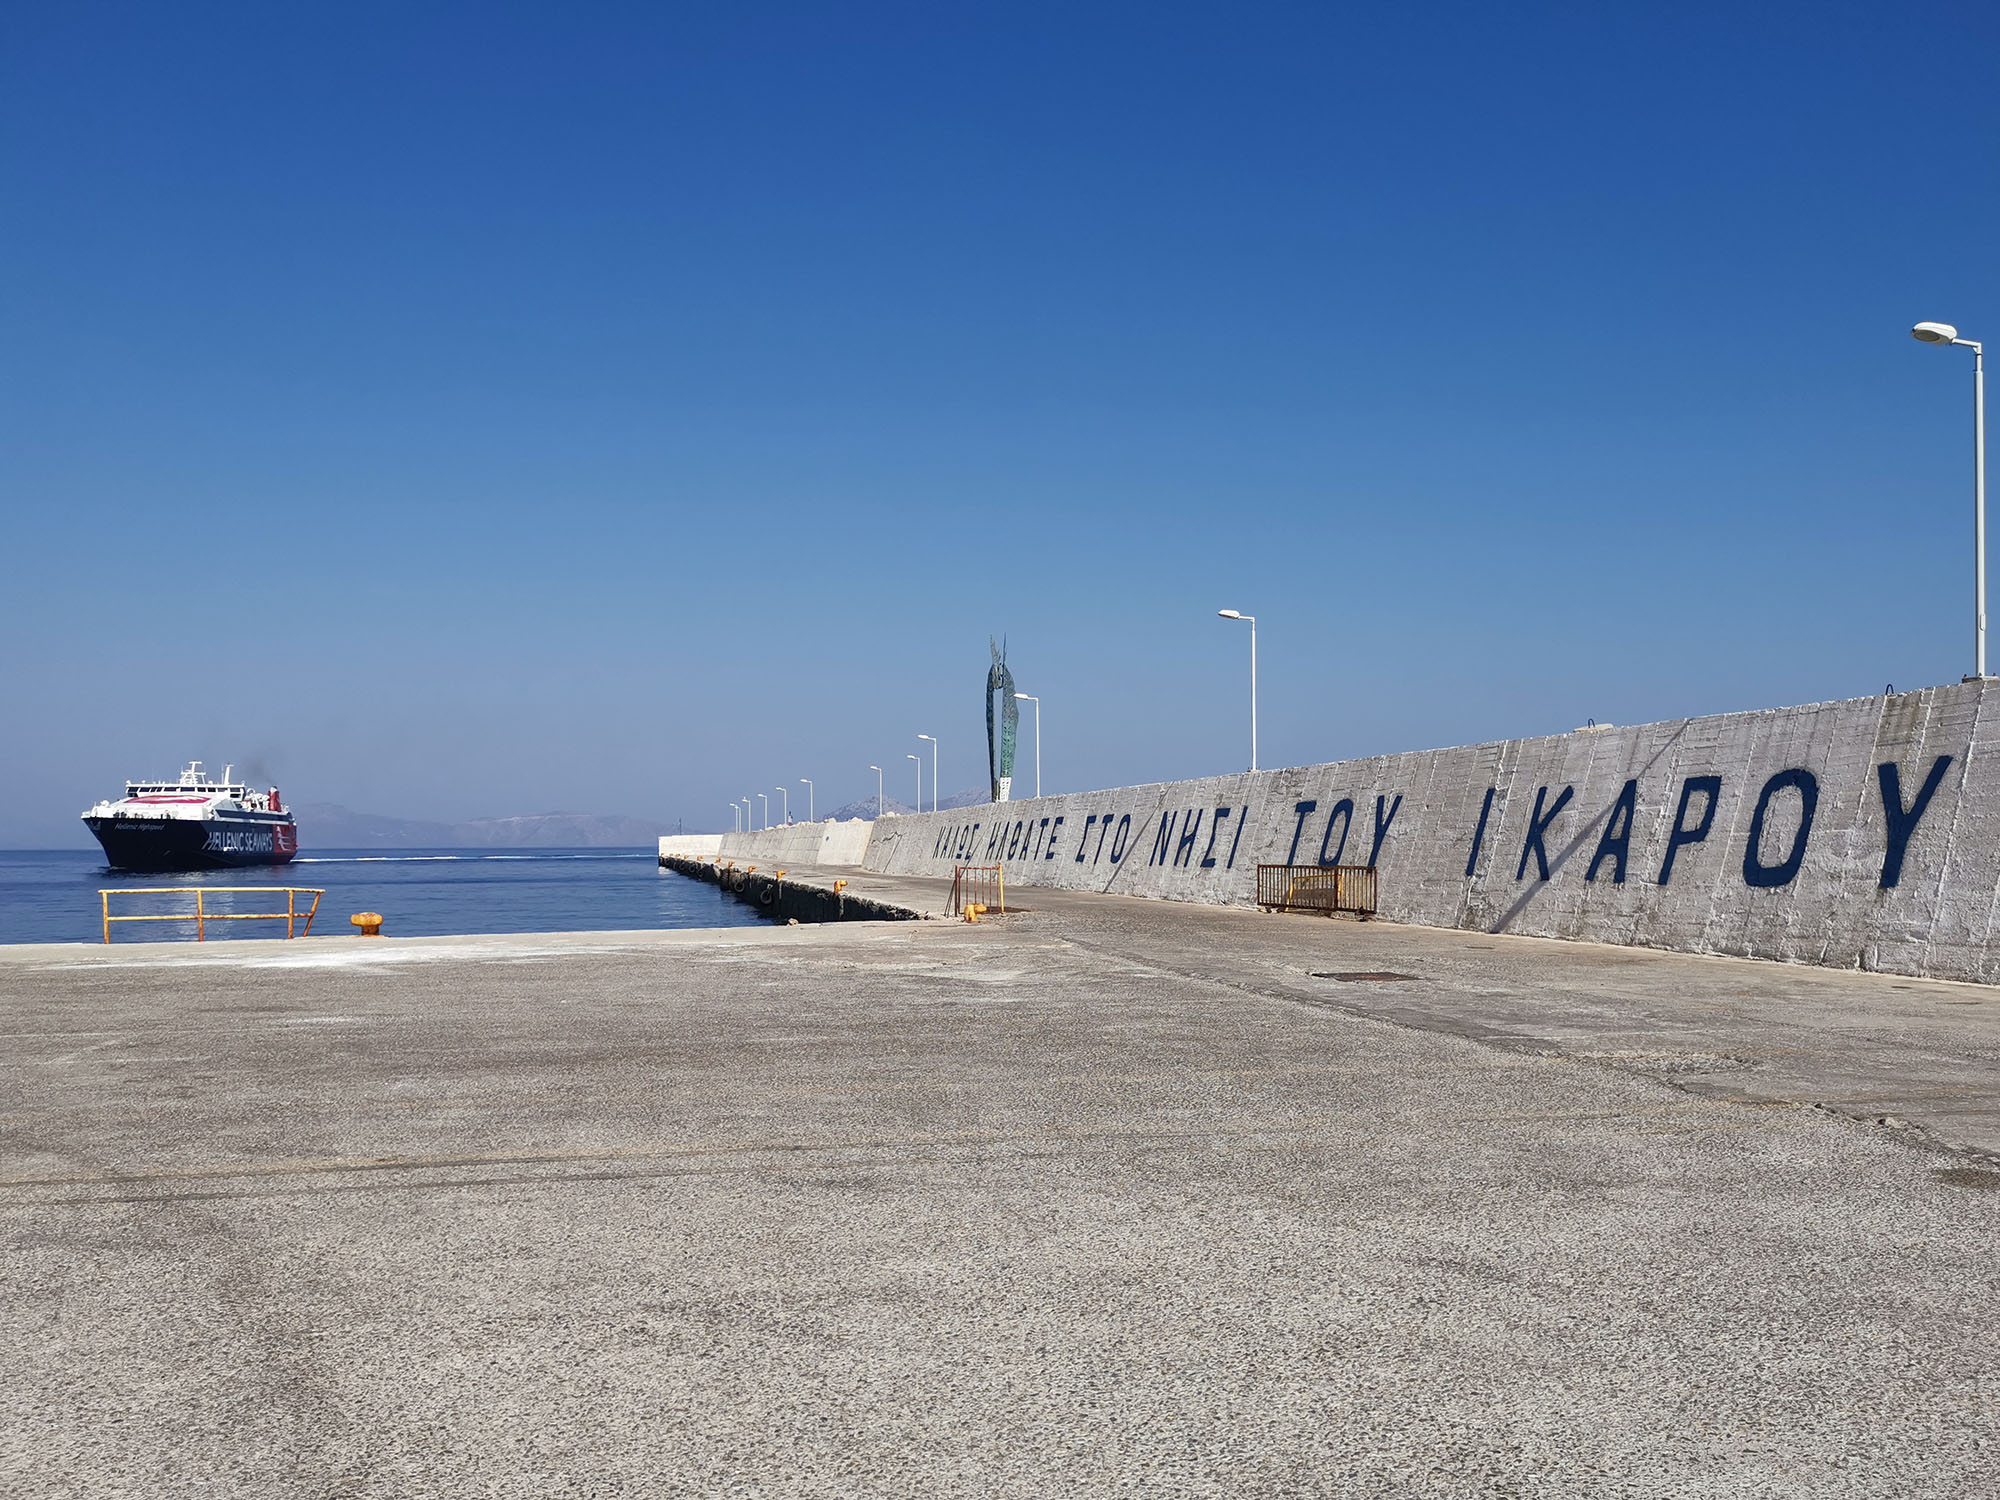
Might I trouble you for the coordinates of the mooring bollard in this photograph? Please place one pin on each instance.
(369, 922)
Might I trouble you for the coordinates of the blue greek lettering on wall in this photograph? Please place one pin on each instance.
(1479, 833)
(1684, 832)
(1755, 872)
(1616, 843)
(1902, 821)
(1190, 831)
(1120, 838)
(1215, 823)
(1538, 826)
(1344, 811)
(1303, 809)
(1382, 825)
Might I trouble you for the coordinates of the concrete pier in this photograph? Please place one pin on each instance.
(807, 895)
(1107, 1197)
(1858, 834)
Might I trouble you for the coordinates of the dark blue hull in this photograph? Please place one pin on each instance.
(164, 845)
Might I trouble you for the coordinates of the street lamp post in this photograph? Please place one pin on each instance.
(920, 800)
(920, 779)
(1944, 333)
(878, 792)
(809, 798)
(1031, 698)
(787, 796)
(749, 815)
(1231, 614)
(735, 818)
(767, 808)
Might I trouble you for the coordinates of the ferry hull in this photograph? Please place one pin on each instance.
(164, 845)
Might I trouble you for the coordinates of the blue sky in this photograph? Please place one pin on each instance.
(466, 410)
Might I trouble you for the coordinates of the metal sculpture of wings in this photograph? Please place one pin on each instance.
(1002, 715)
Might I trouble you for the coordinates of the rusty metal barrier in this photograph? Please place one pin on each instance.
(291, 916)
(983, 886)
(1317, 888)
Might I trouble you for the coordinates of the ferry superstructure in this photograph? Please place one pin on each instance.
(194, 823)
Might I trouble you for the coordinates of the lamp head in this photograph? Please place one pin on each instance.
(1934, 333)
(1230, 614)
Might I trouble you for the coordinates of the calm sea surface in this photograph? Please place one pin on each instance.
(51, 897)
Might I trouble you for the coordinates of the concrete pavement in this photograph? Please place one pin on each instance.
(1109, 1197)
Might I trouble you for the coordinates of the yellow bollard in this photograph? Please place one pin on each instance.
(973, 911)
(839, 886)
(369, 922)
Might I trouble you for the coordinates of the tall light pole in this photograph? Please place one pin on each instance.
(749, 815)
(1031, 698)
(878, 792)
(735, 818)
(809, 798)
(920, 779)
(767, 808)
(1231, 614)
(788, 803)
(920, 800)
(1944, 333)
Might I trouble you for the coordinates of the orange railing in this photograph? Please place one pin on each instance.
(1319, 888)
(984, 886)
(201, 916)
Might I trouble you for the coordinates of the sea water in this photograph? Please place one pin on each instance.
(52, 896)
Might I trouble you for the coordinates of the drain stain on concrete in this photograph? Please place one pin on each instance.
(1969, 1177)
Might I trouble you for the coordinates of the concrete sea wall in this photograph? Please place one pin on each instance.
(822, 844)
(801, 901)
(1859, 833)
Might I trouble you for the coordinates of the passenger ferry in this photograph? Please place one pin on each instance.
(193, 824)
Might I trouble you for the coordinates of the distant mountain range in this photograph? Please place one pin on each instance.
(865, 808)
(322, 825)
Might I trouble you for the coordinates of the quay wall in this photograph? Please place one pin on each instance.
(781, 900)
(1863, 833)
(824, 844)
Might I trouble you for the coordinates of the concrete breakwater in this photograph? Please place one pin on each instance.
(1862, 833)
(779, 899)
(793, 844)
